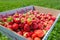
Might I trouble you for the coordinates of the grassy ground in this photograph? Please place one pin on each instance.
(12, 4)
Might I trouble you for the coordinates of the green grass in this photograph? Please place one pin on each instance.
(12, 4)
(55, 34)
(4, 37)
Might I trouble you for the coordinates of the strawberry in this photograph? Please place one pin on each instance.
(35, 26)
(31, 11)
(40, 26)
(29, 38)
(39, 33)
(4, 19)
(50, 22)
(47, 27)
(26, 27)
(15, 26)
(36, 12)
(23, 20)
(26, 34)
(16, 15)
(20, 33)
(37, 38)
(16, 20)
(53, 18)
(34, 35)
(10, 26)
(31, 33)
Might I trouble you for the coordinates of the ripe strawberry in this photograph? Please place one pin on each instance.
(23, 20)
(40, 26)
(37, 38)
(36, 12)
(16, 20)
(26, 34)
(5, 24)
(44, 31)
(31, 33)
(53, 18)
(29, 38)
(33, 21)
(16, 15)
(35, 26)
(20, 15)
(10, 26)
(39, 33)
(20, 26)
(31, 11)
(4, 19)
(34, 35)
(20, 33)
(15, 26)
(50, 22)
(49, 14)
(10, 23)
(26, 27)
(47, 27)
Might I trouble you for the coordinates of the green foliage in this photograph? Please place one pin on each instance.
(4, 37)
(55, 34)
(12, 4)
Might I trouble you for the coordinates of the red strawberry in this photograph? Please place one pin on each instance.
(29, 38)
(16, 15)
(26, 27)
(37, 38)
(30, 33)
(10, 23)
(21, 26)
(53, 18)
(35, 26)
(34, 35)
(4, 19)
(31, 11)
(50, 22)
(40, 26)
(20, 33)
(23, 20)
(10, 26)
(26, 34)
(5, 24)
(47, 27)
(39, 33)
(36, 12)
(49, 14)
(16, 20)
(20, 15)
(15, 26)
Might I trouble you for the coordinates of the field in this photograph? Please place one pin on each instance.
(12, 4)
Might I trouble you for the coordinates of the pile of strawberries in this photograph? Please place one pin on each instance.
(32, 25)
